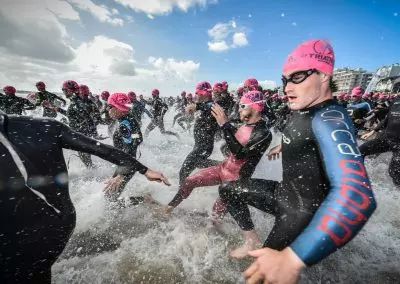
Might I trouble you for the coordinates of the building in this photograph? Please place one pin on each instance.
(386, 79)
(347, 79)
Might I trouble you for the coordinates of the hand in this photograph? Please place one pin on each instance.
(358, 121)
(113, 184)
(219, 114)
(274, 152)
(367, 135)
(272, 266)
(191, 108)
(156, 176)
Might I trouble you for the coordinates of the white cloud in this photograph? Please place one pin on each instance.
(268, 84)
(105, 56)
(395, 14)
(240, 39)
(163, 7)
(219, 46)
(283, 15)
(250, 16)
(225, 36)
(128, 18)
(182, 70)
(33, 29)
(151, 17)
(100, 12)
(294, 24)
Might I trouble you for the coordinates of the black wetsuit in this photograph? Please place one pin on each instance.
(325, 197)
(92, 109)
(12, 104)
(126, 138)
(80, 120)
(181, 107)
(205, 127)
(37, 214)
(387, 140)
(51, 98)
(137, 110)
(159, 110)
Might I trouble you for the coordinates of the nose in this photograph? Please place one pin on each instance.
(289, 88)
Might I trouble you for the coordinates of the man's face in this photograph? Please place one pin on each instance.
(304, 94)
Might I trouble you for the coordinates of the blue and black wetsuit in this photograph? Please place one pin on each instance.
(126, 138)
(357, 113)
(387, 140)
(325, 197)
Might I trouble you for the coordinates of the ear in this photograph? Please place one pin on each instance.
(324, 78)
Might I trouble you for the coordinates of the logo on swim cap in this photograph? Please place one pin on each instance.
(324, 52)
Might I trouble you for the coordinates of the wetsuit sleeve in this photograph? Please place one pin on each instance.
(55, 97)
(78, 142)
(350, 201)
(28, 105)
(381, 125)
(259, 141)
(146, 111)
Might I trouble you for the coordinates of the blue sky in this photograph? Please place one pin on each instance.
(364, 33)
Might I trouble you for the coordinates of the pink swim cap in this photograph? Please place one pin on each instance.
(203, 89)
(251, 83)
(255, 99)
(357, 91)
(120, 101)
(315, 54)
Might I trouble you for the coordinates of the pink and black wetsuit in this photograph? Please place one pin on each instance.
(247, 145)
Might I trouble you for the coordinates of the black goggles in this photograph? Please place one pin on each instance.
(298, 77)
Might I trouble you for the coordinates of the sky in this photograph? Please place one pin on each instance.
(139, 45)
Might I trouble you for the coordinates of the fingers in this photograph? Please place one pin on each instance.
(255, 278)
(258, 252)
(251, 270)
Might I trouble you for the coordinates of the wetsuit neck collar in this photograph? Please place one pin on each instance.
(318, 106)
(253, 124)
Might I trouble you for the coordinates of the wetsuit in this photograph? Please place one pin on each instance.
(137, 110)
(126, 138)
(205, 127)
(80, 120)
(51, 98)
(159, 110)
(92, 109)
(12, 104)
(358, 112)
(37, 215)
(246, 144)
(181, 107)
(325, 197)
(387, 140)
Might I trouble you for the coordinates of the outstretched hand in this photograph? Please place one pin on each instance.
(113, 184)
(156, 176)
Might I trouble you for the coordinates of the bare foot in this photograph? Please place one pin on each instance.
(242, 251)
